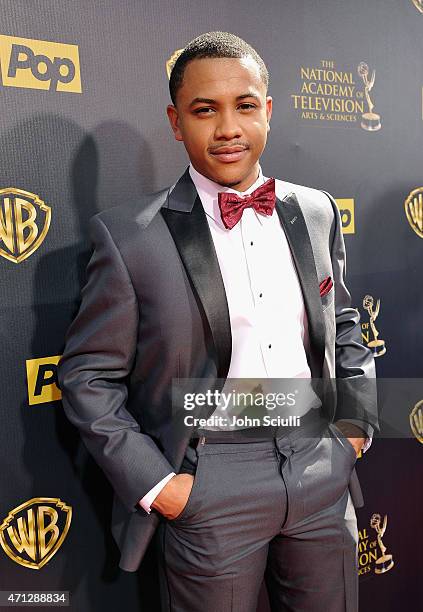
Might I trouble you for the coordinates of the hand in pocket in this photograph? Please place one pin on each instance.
(173, 498)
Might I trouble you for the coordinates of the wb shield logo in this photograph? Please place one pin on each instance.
(414, 210)
(24, 223)
(416, 421)
(34, 531)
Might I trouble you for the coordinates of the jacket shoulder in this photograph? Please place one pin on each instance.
(140, 211)
(316, 204)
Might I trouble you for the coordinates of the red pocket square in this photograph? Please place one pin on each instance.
(325, 286)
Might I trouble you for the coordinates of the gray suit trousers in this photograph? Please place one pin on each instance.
(276, 509)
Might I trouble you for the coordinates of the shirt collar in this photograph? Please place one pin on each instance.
(208, 190)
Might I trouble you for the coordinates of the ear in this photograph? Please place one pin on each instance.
(173, 116)
(269, 107)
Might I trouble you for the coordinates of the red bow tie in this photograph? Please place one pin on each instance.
(231, 205)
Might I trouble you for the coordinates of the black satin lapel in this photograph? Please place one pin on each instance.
(294, 225)
(191, 233)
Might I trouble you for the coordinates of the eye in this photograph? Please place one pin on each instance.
(246, 106)
(204, 110)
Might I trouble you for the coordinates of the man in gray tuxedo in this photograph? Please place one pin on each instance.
(224, 276)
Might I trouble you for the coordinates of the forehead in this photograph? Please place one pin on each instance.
(221, 76)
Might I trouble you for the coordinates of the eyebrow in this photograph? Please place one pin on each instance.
(249, 94)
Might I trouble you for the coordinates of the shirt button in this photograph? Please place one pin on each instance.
(270, 346)
(251, 243)
(261, 295)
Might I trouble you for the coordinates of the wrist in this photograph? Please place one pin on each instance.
(166, 491)
(350, 430)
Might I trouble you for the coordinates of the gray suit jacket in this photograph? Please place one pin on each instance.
(154, 309)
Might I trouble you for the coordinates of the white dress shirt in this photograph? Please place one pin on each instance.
(266, 307)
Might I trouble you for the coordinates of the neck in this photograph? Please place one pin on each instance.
(239, 185)
(245, 183)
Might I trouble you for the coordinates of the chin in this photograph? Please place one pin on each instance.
(228, 182)
(229, 179)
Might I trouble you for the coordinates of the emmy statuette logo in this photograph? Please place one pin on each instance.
(34, 531)
(416, 421)
(377, 344)
(24, 223)
(385, 562)
(414, 210)
(332, 95)
(370, 120)
(419, 5)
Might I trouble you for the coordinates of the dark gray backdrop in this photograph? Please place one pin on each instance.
(85, 152)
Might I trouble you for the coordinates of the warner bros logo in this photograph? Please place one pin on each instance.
(34, 531)
(24, 223)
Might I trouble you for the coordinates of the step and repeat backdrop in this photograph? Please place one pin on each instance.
(83, 93)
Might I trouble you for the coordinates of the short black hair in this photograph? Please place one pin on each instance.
(213, 44)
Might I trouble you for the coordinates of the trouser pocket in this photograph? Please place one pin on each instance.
(190, 506)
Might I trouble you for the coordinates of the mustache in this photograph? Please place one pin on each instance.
(239, 143)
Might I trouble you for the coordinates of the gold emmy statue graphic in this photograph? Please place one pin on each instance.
(171, 61)
(414, 210)
(378, 346)
(385, 562)
(416, 421)
(370, 121)
(419, 5)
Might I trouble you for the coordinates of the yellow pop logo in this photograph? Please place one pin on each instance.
(346, 209)
(39, 64)
(42, 380)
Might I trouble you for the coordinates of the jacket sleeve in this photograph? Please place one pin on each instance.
(354, 362)
(98, 356)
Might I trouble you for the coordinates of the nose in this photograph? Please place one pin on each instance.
(227, 127)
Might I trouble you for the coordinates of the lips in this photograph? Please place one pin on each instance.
(229, 154)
